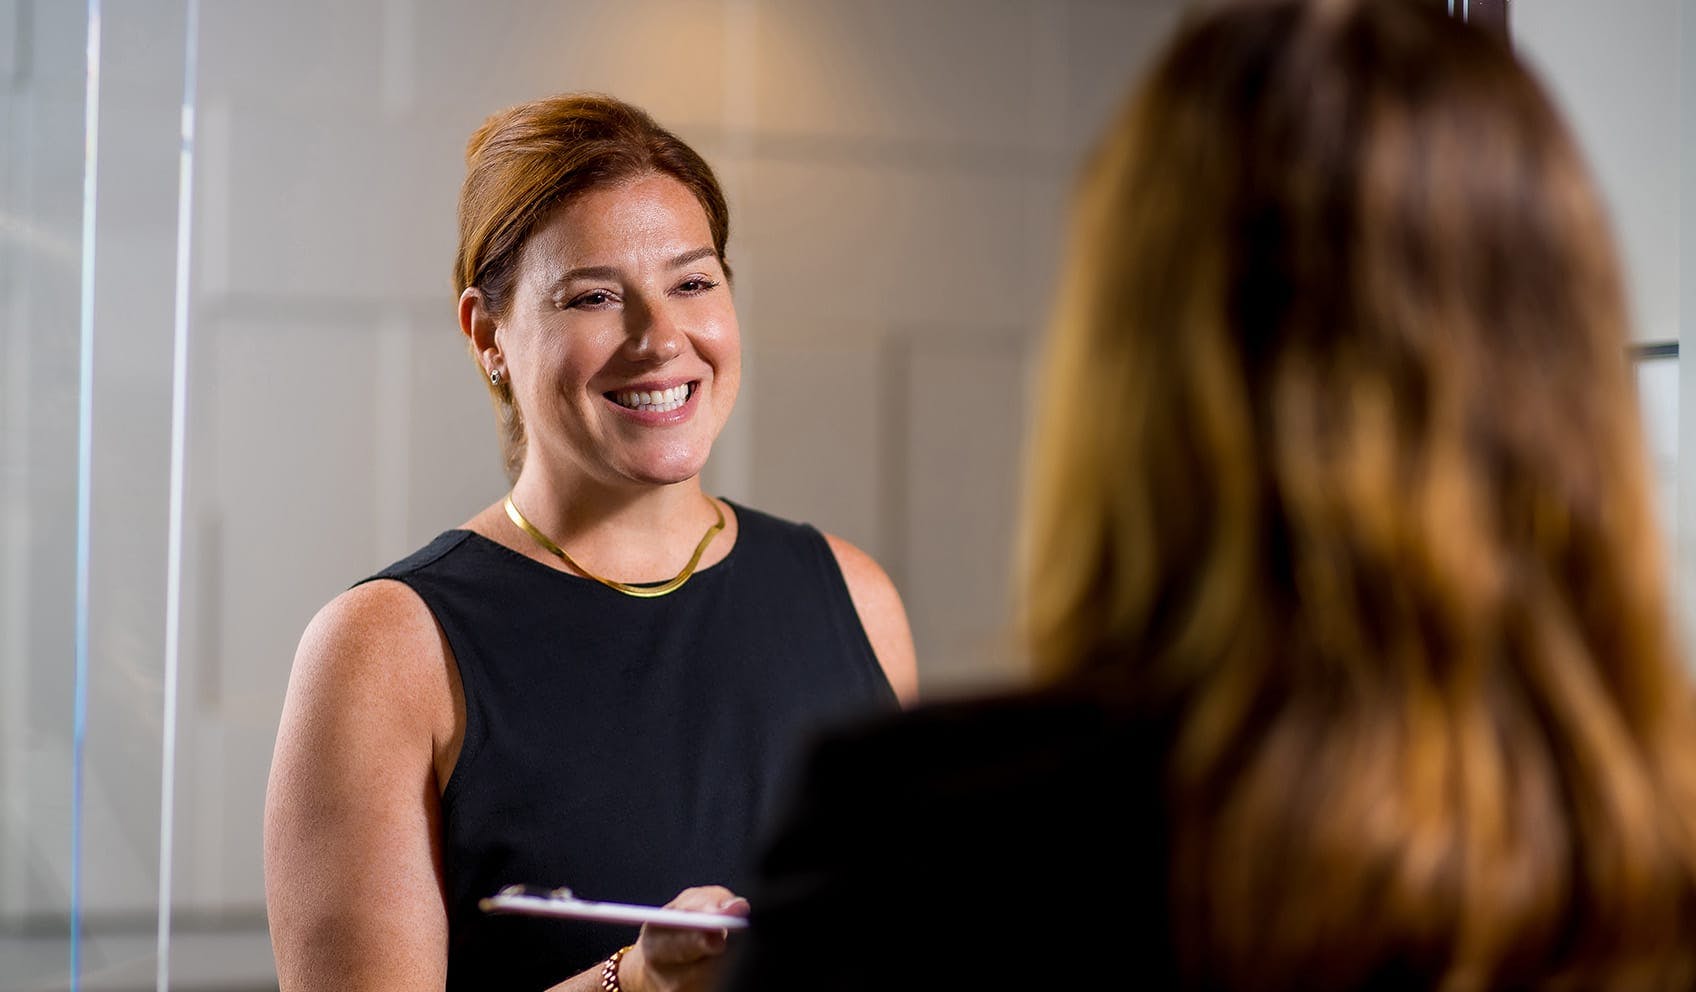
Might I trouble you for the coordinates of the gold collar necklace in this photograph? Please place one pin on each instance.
(643, 591)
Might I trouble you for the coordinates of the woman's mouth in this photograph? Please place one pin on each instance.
(653, 401)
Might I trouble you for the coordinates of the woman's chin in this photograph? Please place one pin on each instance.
(667, 472)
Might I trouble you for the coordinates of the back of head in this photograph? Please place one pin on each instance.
(1339, 466)
(527, 161)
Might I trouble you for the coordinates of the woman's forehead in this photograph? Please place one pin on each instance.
(650, 220)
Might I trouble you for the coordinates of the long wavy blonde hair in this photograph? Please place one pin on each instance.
(1338, 465)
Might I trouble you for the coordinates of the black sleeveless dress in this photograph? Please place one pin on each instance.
(627, 748)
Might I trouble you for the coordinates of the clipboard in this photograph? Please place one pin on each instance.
(561, 904)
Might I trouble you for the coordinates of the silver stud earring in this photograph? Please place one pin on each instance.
(494, 377)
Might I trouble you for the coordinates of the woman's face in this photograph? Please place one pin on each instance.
(621, 343)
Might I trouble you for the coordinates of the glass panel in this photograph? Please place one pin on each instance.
(42, 259)
(134, 227)
(141, 94)
(89, 272)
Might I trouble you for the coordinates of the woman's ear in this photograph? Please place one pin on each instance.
(479, 327)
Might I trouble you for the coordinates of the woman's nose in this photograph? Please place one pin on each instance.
(654, 336)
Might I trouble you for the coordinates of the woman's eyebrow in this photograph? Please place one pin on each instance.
(707, 251)
(605, 272)
(611, 272)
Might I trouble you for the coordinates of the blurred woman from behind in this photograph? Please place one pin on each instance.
(1341, 568)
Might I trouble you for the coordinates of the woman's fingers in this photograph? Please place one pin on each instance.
(707, 899)
(671, 946)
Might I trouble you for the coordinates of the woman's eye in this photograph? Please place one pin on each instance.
(697, 284)
(591, 299)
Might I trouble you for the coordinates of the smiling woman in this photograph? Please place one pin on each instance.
(600, 679)
(620, 337)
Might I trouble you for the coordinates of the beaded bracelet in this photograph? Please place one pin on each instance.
(609, 970)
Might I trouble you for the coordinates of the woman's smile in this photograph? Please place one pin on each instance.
(655, 404)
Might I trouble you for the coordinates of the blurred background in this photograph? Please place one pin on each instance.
(231, 382)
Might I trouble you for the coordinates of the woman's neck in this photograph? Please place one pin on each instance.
(628, 533)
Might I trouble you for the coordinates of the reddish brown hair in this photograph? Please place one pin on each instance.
(1339, 464)
(529, 160)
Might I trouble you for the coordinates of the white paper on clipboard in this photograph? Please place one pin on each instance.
(560, 903)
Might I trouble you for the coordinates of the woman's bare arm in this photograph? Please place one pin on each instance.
(353, 861)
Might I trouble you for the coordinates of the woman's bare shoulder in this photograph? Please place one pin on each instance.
(376, 645)
(881, 614)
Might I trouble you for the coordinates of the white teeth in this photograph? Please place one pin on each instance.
(659, 401)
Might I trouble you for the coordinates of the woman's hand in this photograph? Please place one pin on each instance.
(666, 959)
